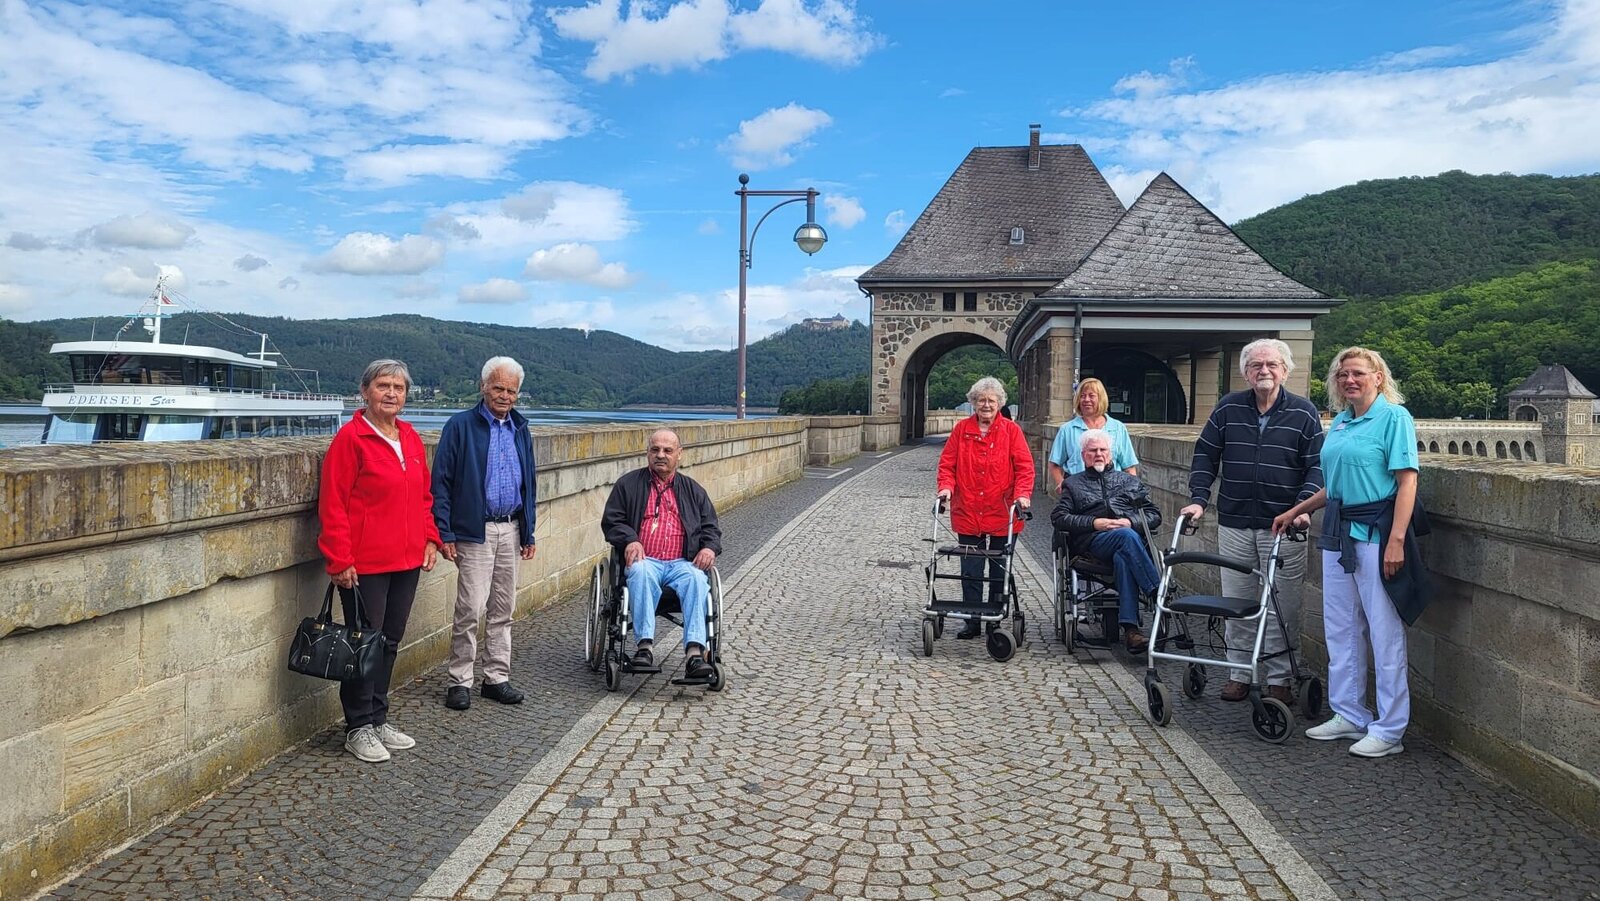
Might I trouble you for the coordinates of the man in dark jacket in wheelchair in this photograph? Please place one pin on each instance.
(666, 527)
(1098, 510)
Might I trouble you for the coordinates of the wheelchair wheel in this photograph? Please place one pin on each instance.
(927, 637)
(1001, 645)
(1272, 721)
(719, 625)
(1158, 702)
(718, 678)
(613, 674)
(1311, 697)
(1058, 600)
(1194, 681)
(594, 627)
(938, 626)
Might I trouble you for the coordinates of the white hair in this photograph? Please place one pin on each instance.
(1094, 435)
(986, 385)
(1261, 344)
(495, 364)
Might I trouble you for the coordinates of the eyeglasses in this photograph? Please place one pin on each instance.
(1351, 375)
(1259, 365)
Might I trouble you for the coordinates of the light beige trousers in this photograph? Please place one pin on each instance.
(486, 588)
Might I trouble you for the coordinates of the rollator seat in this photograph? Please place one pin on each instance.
(1213, 605)
(967, 550)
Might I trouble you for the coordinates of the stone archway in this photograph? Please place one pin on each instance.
(905, 351)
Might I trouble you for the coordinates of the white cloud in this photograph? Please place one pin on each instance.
(845, 212)
(403, 164)
(14, 298)
(417, 289)
(495, 290)
(145, 231)
(365, 253)
(829, 32)
(576, 263)
(690, 33)
(686, 35)
(249, 263)
(895, 223)
(546, 213)
(704, 322)
(587, 315)
(1251, 145)
(451, 227)
(708, 227)
(26, 241)
(772, 138)
(139, 280)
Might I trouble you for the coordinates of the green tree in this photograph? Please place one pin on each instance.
(1478, 397)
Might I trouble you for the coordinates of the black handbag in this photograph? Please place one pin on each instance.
(330, 650)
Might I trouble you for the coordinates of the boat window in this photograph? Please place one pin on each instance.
(73, 428)
(192, 369)
(163, 427)
(122, 427)
(244, 377)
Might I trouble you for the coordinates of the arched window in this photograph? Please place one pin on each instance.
(1516, 451)
(1482, 451)
(1527, 413)
(1433, 447)
(1500, 449)
(1527, 448)
(1454, 449)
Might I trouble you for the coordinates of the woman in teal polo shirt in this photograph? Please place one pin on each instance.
(1091, 403)
(1369, 469)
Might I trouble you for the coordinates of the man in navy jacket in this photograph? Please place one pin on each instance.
(1265, 443)
(484, 496)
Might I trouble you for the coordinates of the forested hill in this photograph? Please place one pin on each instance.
(1410, 235)
(565, 367)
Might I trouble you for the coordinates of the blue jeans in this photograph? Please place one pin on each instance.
(1135, 572)
(645, 580)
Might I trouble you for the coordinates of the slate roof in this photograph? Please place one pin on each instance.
(1168, 245)
(1552, 381)
(1064, 208)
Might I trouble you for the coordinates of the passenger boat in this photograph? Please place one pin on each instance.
(126, 390)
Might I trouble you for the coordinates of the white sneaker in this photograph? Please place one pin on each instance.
(1373, 746)
(394, 739)
(365, 744)
(1334, 729)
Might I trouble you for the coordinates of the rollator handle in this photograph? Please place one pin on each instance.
(1021, 512)
(939, 504)
(1186, 525)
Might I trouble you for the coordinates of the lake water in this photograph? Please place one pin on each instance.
(23, 424)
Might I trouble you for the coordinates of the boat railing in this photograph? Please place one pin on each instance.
(185, 390)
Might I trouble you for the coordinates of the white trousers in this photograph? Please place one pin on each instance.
(1256, 544)
(486, 588)
(1357, 615)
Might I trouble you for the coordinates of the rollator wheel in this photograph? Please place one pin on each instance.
(1272, 721)
(1158, 702)
(938, 626)
(1019, 627)
(928, 633)
(1001, 645)
(613, 674)
(1194, 681)
(1311, 698)
(716, 681)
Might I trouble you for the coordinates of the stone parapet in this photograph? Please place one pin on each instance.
(940, 422)
(880, 432)
(1505, 663)
(148, 594)
(833, 439)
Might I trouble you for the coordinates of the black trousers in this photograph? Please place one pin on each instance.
(972, 569)
(386, 598)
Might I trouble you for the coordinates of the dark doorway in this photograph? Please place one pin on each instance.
(1140, 387)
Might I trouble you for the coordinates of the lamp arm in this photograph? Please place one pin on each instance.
(750, 245)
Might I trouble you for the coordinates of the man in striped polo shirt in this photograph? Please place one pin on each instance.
(1265, 442)
(666, 526)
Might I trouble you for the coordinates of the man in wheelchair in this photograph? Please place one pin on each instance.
(1098, 511)
(666, 528)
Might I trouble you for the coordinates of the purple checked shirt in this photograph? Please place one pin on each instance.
(502, 481)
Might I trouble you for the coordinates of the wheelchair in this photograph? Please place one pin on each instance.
(1270, 717)
(1083, 589)
(1000, 641)
(610, 617)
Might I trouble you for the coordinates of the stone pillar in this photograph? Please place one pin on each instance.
(1208, 384)
(1299, 345)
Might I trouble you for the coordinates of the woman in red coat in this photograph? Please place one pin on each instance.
(378, 533)
(985, 468)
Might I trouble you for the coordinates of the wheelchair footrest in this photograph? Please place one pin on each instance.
(629, 667)
(685, 680)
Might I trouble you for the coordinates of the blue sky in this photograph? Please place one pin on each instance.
(573, 164)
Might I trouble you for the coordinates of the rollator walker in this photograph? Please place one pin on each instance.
(1271, 718)
(1001, 642)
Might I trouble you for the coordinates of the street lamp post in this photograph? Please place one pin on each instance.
(809, 237)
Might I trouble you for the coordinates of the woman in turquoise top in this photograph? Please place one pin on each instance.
(1091, 403)
(1369, 459)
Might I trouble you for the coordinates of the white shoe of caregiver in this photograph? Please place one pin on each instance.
(1373, 746)
(1335, 729)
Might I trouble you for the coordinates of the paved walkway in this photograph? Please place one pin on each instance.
(840, 763)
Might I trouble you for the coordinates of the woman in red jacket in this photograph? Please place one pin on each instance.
(378, 532)
(985, 467)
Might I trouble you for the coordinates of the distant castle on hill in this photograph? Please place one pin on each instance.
(836, 322)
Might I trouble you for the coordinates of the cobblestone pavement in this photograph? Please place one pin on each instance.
(1419, 825)
(842, 763)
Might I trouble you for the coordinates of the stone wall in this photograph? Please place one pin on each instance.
(1505, 663)
(1478, 438)
(833, 439)
(148, 594)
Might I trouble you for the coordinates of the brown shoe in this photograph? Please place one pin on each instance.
(1134, 640)
(1234, 690)
(1283, 693)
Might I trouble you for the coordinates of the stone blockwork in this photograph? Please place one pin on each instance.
(1505, 663)
(150, 592)
(904, 322)
(1490, 440)
(833, 439)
